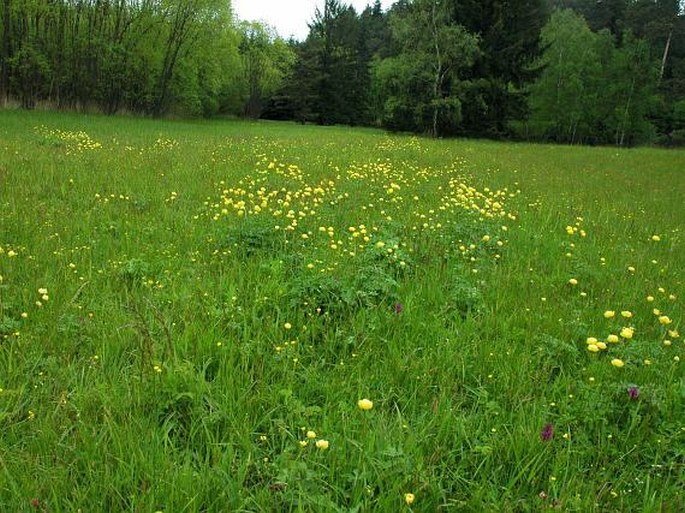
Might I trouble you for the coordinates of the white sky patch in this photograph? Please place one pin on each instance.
(289, 17)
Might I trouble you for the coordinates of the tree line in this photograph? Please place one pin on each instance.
(572, 71)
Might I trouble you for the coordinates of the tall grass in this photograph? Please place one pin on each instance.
(190, 313)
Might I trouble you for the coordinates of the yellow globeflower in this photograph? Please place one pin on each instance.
(365, 404)
(627, 333)
(409, 498)
(591, 340)
(287, 326)
(609, 314)
(573, 281)
(322, 444)
(311, 434)
(656, 238)
(626, 314)
(617, 363)
(613, 338)
(593, 348)
(665, 319)
(673, 333)
(601, 345)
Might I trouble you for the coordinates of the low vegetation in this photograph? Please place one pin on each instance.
(224, 316)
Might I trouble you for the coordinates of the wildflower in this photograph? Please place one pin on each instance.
(573, 281)
(365, 404)
(591, 340)
(322, 444)
(631, 269)
(303, 443)
(287, 326)
(593, 348)
(547, 432)
(627, 333)
(626, 314)
(650, 299)
(656, 311)
(673, 333)
(656, 238)
(311, 434)
(609, 314)
(665, 319)
(613, 338)
(633, 392)
(618, 363)
(601, 345)
(409, 498)
(42, 291)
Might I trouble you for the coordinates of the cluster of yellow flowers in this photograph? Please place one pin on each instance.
(305, 212)
(75, 142)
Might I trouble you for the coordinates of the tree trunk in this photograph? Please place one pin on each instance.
(665, 57)
(6, 52)
(438, 74)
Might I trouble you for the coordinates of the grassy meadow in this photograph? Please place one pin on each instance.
(231, 316)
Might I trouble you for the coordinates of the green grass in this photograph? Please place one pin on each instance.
(187, 345)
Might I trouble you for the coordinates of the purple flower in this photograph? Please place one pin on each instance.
(634, 392)
(398, 308)
(547, 432)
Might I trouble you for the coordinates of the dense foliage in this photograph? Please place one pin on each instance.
(575, 71)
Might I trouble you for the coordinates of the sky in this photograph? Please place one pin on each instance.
(289, 17)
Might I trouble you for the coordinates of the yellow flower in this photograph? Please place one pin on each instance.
(591, 340)
(304, 443)
(617, 363)
(593, 348)
(665, 319)
(409, 498)
(609, 314)
(364, 404)
(656, 238)
(613, 338)
(673, 333)
(627, 333)
(650, 299)
(631, 269)
(287, 326)
(311, 434)
(486, 238)
(322, 444)
(627, 314)
(656, 311)
(573, 281)
(42, 291)
(601, 345)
